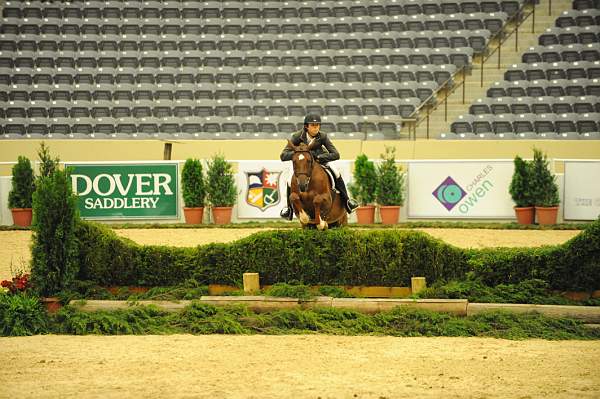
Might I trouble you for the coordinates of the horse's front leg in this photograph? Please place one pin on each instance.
(298, 209)
(318, 202)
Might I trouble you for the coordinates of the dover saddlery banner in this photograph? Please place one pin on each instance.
(582, 190)
(460, 189)
(262, 187)
(126, 190)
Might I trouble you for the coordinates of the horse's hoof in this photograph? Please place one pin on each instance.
(322, 225)
(304, 219)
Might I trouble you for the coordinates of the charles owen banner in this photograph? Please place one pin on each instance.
(460, 189)
(126, 190)
(262, 187)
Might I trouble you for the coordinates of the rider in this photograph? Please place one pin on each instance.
(324, 153)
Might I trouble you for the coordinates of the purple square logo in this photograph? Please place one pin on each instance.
(449, 193)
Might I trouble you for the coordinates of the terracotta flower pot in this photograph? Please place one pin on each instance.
(193, 215)
(52, 304)
(22, 216)
(389, 214)
(525, 215)
(222, 214)
(546, 215)
(365, 214)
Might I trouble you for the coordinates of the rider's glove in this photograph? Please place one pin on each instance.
(322, 158)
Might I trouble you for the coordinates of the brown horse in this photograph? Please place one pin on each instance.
(314, 201)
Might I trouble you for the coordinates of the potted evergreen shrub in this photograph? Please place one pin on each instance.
(545, 189)
(363, 189)
(390, 187)
(520, 191)
(20, 195)
(192, 184)
(55, 246)
(221, 189)
(48, 164)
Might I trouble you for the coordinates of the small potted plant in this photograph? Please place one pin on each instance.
(390, 187)
(20, 196)
(221, 189)
(363, 189)
(520, 191)
(545, 189)
(192, 184)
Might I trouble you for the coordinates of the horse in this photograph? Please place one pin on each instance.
(314, 201)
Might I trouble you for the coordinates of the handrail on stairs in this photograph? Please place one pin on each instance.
(502, 35)
(449, 86)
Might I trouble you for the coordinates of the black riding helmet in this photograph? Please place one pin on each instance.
(312, 118)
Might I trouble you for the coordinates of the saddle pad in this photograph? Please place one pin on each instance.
(331, 177)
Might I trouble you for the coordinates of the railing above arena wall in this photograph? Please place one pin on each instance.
(458, 79)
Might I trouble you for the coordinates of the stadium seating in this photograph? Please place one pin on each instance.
(553, 93)
(137, 68)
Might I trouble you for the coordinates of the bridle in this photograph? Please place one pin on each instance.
(310, 167)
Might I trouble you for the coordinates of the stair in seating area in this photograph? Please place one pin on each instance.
(493, 71)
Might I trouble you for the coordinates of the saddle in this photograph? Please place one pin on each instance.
(331, 177)
(334, 191)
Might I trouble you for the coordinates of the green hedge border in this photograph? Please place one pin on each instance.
(294, 225)
(23, 315)
(386, 257)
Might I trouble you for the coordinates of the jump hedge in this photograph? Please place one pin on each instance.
(574, 265)
(335, 257)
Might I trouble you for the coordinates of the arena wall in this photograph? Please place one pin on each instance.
(121, 150)
(406, 151)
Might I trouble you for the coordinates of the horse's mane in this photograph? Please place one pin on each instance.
(302, 147)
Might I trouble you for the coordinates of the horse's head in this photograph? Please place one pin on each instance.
(303, 164)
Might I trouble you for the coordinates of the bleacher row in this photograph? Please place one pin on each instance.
(583, 17)
(568, 53)
(157, 75)
(224, 108)
(18, 62)
(108, 46)
(84, 89)
(551, 71)
(193, 127)
(553, 93)
(143, 68)
(535, 105)
(569, 126)
(541, 88)
(189, 28)
(570, 35)
(169, 9)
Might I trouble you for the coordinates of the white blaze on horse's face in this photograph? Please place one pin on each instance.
(302, 169)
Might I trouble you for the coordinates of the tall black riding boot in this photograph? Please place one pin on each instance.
(348, 202)
(287, 212)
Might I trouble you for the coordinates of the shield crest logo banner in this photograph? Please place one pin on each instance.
(263, 189)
